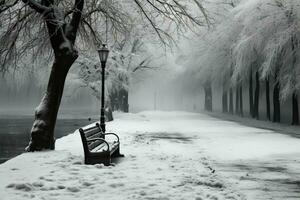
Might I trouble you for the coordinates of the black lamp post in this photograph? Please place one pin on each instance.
(103, 55)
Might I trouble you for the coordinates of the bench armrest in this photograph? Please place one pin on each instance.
(95, 139)
(114, 135)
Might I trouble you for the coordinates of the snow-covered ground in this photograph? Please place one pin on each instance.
(168, 155)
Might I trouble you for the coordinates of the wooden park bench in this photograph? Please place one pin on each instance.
(96, 148)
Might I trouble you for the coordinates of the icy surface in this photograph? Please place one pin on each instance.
(169, 155)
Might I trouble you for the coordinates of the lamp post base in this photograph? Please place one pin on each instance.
(102, 121)
(102, 126)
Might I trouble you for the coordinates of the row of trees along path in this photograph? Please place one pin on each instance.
(254, 50)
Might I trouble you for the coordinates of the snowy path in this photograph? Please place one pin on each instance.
(169, 155)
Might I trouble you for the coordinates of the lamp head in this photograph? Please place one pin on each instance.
(103, 53)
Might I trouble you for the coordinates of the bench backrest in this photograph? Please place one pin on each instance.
(91, 133)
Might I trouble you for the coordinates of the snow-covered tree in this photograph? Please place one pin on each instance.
(126, 58)
(271, 42)
(257, 40)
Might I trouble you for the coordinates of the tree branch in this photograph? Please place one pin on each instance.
(150, 21)
(143, 65)
(76, 17)
(38, 7)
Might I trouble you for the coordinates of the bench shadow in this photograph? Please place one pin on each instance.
(117, 160)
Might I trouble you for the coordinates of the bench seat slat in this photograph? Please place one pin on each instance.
(103, 147)
(93, 145)
(92, 131)
(96, 135)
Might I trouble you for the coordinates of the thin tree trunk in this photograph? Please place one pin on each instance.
(295, 120)
(208, 97)
(256, 97)
(126, 102)
(268, 98)
(117, 100)
(237, 100)
(112, 97)
(230, 101)
(225, 101)
(276, 101)
(251, 94)
(241, 100)
(109, 114)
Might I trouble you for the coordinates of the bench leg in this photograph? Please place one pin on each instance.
(107, 160)
(117, 153)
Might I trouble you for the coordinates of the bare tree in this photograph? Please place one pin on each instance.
(48, 29)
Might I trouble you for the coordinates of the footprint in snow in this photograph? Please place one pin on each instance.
(73, 189)
(61, 187)
(48, 188)
(30, 196)
(210, 184)
(143, 193)
(38, 184)
(116, 185)
(87, 184)
(48, 179)
(26, 187)
(77, 162)
(74, 169)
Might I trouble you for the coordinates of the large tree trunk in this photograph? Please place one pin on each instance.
(276, 101)
(230, 101)
(237, 100)
(268, 99)
(208, 97)
(42, 132)
(62, 35)
(224, 101)
(295, 120)
(256, 97)
(241, 100)
(251, 93)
